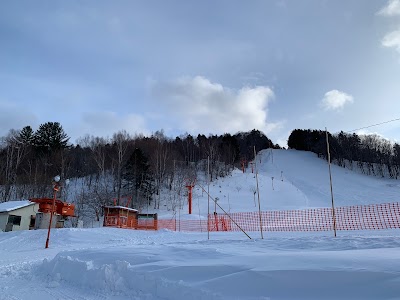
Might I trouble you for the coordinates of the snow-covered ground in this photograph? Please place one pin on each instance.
(300, 180)
(109, 263)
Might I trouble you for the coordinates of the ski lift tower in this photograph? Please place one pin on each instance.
(190, 185)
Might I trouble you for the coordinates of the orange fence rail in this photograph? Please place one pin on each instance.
(360, 217)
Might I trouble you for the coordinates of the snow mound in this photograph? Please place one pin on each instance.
(116, 277)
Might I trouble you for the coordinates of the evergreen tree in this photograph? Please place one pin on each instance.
(248, 140)
(137, 176)
(230, 150)
(26, 136)
(50, 137)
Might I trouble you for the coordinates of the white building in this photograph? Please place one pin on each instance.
(18, 215)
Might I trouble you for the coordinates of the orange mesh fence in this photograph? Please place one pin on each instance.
(183, 225)
(360, 217)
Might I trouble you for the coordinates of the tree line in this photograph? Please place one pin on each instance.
(124, 165)
(371, 154)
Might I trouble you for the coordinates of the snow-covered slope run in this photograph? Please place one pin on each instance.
(289, 180)
(309, 174)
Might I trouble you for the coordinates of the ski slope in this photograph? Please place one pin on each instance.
(310, 175)
(110, 263)
(300, 181)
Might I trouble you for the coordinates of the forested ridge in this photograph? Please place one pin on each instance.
(123, 165)
(371, 154)
(141, 166)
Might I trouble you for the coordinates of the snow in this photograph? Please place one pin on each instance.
(126, 208)
(301, 181)
(13, 205)
(111, 263)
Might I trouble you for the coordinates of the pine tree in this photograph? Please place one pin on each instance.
(26, 136)
(137, 176)
(50, 137)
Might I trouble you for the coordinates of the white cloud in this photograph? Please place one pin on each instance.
(391, 9)
(392, 40)
(336, 100)
(198, 105)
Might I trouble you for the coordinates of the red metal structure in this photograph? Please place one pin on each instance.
(190, 183)
(190, 192)
(51, 206)
(64, 209)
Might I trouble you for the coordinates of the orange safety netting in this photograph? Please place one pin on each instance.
(360, 217)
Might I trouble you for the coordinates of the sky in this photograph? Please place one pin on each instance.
(208, 67)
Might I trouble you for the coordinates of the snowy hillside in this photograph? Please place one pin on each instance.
(300, 180)
(109, 263)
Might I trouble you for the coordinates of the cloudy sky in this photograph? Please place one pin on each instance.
(207, 66)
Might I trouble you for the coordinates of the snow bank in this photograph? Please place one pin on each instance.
(170, 265)
(116, 278)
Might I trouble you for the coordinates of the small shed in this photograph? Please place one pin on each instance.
(18, 215)
(120, 216)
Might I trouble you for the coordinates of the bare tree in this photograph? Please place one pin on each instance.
(213, 153)
(97, 146)
(15, 150)
(159, 163)
(121, 140)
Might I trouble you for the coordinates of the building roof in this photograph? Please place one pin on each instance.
(13, 205)
(121, 207)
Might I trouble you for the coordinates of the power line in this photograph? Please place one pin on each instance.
(374, 125)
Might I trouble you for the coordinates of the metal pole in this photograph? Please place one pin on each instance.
(189, 187)
(179, 212)
(225, 212)
(56, 189)
(258, 194)
(330, 181)
(208, 195)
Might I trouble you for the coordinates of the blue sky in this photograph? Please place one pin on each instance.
(98, 67)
